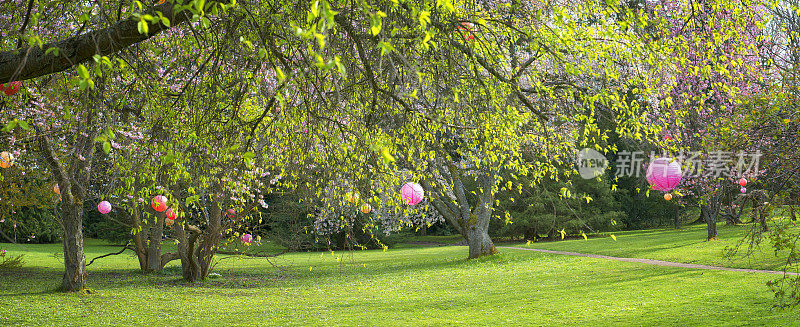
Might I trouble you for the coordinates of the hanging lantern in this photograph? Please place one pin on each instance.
(56, 190)
(104, 207)
(351, 197)
(6, 159)
(231, 213)
(11, 89)
(170, 222)
(171, 214)
(667, 196)
(159, 203)
(247, 239)
(466, 28)
(664, 174)
(366, 208)
(742, 182)
(412, 193)
(743, 189)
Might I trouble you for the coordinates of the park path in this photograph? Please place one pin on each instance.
(655, 262)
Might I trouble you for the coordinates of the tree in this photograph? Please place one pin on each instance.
(455, 103)
(718, 44)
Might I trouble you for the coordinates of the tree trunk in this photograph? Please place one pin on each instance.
(454, 206)
(711, 222)
(791, 209)
(154, 244)
(74, 259)
(480, 244)
(197, 248)
(762, 218)
(677, 218)
(72, 195)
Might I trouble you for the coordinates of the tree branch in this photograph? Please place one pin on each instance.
(23, 64)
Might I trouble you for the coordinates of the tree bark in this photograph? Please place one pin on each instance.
(32, 62)
(711, 222)
(472, 223)
(762, 218)
(74, 278)
(74, 259)
(154, 244)
(73, 184)
(480, 244)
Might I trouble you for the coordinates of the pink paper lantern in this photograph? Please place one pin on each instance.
(247, 238)
(743, 189)
(412, 193)
(104, 207)
(664, 174)
(159, 203)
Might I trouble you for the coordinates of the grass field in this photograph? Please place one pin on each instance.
(687, 245)
(419, 286)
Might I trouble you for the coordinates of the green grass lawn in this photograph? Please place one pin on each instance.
(687, 245)
(413, 286)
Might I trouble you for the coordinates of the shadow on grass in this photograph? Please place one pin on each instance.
(266, 276)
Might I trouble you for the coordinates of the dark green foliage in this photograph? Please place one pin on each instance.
(290, 223)
(9, 261)
(111, 227)
(33, 225)
(543, 211)
(646, 212)
(286, 222)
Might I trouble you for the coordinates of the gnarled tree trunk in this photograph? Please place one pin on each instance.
(452, 203)
(147, 241)
(480, 244)
(74, 278)
(73, 184)
(709, 216)
(196, 247)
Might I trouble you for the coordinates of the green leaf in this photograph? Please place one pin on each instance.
(10, 126)
(83, 72)
(424, 18)
(107, 147)
(54, 50)
(385, 47)
(142, 26)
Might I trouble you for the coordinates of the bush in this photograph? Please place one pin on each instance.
(97, 226)
(32, 225)
(541, 211)
(8, 262)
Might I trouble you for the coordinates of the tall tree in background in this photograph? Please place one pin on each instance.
(718, 45)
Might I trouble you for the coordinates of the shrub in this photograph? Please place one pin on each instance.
(8, 261)
(32, 225)
(543, 211)
(98, 226)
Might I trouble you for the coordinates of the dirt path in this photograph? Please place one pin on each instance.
(655, 262)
